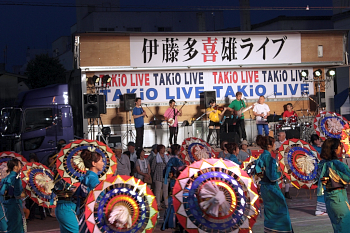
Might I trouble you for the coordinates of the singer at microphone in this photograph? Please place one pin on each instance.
(235, 106)
(138, 113)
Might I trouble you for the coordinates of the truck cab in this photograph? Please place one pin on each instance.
(40, 119)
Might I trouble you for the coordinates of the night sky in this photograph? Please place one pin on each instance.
(38, 26)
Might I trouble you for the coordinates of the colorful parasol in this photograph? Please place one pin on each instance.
(38, 181)
(329, 125)
(299, 161)
(6, 156)
(70, 166)
(194, 149)
(215, 195)
(121, 204)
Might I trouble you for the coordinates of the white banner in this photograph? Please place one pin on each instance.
(215, 49)
(158, 87)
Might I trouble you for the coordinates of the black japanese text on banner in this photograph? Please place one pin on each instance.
(172, 50)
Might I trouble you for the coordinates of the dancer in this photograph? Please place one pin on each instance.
(65, 207)
(335, 175)
(11, 191)
(239, 104)
(281, 139)
(171, 115)
(215, 116)
(138, 115)
(262, 111)
(276, 215)
(94, 162)
(173, 169)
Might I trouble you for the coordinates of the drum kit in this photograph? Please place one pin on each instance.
(302, 126)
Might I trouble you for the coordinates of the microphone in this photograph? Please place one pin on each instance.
(145, 104)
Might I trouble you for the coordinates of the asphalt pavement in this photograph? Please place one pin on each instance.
(301, 210)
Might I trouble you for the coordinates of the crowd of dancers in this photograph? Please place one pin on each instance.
(160, 171)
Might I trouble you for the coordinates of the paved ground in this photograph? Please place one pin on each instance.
(301, 209)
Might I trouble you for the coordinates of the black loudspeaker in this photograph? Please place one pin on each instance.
(113, 140)
(128, 101)
(230, 137)
(205, 98)
(293, 133)
(91, 106)
(102, 104)
(320, 99)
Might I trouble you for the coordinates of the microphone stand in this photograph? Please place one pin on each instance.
(155, 123)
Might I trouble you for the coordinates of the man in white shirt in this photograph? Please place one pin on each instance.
(262, 111)
(123, 162)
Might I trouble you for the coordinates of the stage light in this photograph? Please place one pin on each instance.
(317, 73)
(106, 79)
(330, 72)
(304, 74)
(95, 79)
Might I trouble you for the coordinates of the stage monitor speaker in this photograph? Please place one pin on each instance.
(293, 133)
(91, 106)
(128, 101)
(229, 137)
(205, 98)
(102, 104)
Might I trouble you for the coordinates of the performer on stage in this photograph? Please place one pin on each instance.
(138, 115)
(262, 111)
(237, 105)
(10, 191)
(172, 113)
(335, 175)
(94, 163)
(276, 215)
(215, 116)
(289, 112)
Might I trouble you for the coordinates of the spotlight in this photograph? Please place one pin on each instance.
(330, 72)
(317, 73)
(95, 79)
(106, 79)
(304, 74)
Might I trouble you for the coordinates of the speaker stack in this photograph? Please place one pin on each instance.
(94, 105)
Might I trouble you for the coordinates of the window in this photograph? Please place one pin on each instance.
(37, 118)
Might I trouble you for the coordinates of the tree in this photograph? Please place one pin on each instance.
(44, 70)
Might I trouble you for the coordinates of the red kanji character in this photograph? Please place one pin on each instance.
(210, 50)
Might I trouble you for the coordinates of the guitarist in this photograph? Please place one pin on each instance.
(172, 113)
(215, 116)
(237, 105)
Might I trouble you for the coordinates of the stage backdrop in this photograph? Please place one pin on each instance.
(157, 87)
